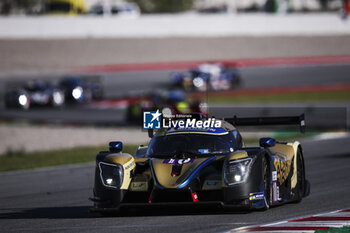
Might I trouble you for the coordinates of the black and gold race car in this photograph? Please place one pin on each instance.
(202, 164)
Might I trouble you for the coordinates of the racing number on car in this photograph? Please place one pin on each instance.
(178, 161)
(282, 167)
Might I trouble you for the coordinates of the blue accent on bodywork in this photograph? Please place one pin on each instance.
(267, 142)
(258, 200)
(195, 172)
(259, 204)
(188, 179)
(203, 151)
(115, 146)
(261, 187)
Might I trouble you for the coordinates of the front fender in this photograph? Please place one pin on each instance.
(294, 179)
(254, 182)
(124, 159)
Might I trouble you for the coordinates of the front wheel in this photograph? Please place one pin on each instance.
(267, 189)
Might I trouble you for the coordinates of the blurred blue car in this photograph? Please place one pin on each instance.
(80, 90)
(207, 76)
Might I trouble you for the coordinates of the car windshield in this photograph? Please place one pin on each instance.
(191, 145)
(36, 87)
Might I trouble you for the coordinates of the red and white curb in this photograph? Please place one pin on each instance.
(250, 62)
(337, 219)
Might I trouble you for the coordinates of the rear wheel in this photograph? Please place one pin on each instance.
(299, 189)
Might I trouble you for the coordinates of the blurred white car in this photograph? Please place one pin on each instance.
(126, 9)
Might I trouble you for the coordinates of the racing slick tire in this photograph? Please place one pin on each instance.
(299, 189)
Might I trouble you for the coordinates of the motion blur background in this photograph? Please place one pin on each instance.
(287, 54)
(37, 7)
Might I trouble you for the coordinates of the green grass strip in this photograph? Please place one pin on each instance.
(335, 230)
(19, 160)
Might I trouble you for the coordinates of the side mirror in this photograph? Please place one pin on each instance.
(115, 146)
(267, 142)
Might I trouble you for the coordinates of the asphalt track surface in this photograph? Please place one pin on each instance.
(56, 199)
(123, 84)
(116, 84)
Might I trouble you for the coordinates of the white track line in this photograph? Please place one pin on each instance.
(337, 219)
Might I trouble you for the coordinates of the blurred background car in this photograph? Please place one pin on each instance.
(79, 90)
(65, 7)
(34, 93)
(170, 102)
(207, 76)
(126, 9)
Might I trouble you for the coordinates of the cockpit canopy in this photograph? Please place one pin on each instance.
(193, 145)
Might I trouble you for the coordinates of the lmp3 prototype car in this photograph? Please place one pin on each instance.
(172, 102)
(81, 90)
(207, 76)
(199, 165)
(34, 93)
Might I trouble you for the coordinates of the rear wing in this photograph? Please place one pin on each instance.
(284, 120)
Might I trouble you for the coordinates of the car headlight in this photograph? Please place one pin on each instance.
(22, 100)
(237, 171)
(58, 98)
(198, 82)
(77, 93)
(111, 174)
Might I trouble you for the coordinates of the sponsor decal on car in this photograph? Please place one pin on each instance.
(256, 196)
(282, 167)
(275, 188)
(203, 151)
(178, 161)
(194, 197)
